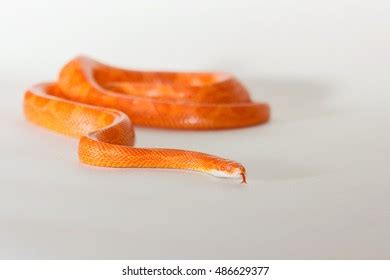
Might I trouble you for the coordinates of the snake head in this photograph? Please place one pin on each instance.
(230, 169)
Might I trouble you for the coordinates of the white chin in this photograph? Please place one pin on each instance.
(222, 174)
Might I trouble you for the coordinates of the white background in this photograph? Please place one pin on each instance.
(318, 173)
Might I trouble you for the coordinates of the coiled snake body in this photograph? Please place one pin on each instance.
(98, 103)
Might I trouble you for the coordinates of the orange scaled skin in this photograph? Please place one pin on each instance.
(94, 102)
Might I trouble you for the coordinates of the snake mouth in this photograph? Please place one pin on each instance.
(243, 178)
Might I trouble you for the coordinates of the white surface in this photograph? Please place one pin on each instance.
(318, 173)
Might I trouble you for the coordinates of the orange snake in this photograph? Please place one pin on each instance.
(95, 102)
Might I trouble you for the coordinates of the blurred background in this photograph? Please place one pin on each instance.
(318, 172)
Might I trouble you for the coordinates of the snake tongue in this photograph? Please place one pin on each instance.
(243, 178)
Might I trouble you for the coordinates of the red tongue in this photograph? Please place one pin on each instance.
(243, 178)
